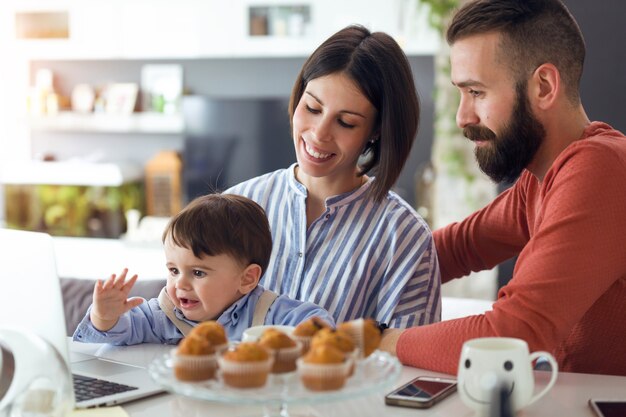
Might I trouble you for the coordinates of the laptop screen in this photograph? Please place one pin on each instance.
(31, 294)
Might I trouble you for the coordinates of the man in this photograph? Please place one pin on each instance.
(517, 65)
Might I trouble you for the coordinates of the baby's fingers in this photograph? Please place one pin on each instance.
(132, 303)
(129, 284)
(109, 282)
(119, 281)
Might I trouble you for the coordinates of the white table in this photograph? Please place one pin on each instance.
(568, 397)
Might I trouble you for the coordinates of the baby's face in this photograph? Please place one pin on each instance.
(202, 288)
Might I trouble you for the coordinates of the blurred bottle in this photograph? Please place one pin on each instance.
(38, 95)
(163, 184)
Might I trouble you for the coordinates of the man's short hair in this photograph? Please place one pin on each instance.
(217, 224)
(534, 32)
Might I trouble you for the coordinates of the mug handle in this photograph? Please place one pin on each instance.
(554, 368)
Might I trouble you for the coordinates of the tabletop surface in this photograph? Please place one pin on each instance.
(568, 397)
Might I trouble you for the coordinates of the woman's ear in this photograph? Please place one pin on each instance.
(546, 86)
(250, 278)
(375, 136)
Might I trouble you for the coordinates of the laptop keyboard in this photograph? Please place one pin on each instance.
(86, 388)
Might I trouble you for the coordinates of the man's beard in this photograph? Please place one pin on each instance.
(506, 155)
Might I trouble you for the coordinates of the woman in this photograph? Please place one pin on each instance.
(342, 239)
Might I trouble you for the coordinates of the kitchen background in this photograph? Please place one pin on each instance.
(144, 104)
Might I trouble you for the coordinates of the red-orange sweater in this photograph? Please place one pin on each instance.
(568, 290)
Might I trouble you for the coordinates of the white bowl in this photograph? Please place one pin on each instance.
(252, 334)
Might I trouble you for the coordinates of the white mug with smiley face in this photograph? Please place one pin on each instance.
(505, 360)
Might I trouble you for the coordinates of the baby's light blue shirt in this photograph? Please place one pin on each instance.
(147, 323)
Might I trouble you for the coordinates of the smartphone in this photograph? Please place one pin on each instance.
(608, 408)
(422, 392)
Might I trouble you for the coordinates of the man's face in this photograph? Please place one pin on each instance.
(510, 151)
(494, 111)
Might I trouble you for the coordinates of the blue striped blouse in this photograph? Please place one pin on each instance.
(359, 259)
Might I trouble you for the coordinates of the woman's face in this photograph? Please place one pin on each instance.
(331, 125)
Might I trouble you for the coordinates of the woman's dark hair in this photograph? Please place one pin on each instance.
(534, 32)
(217, 224)
(379, 67)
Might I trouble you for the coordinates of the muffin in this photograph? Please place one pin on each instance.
(324, 368)
(339, 340)
(194, 359)
(364, 333)
(284, 350)
(213, 332)
(305, 331)
(245, 365)
(336, 338)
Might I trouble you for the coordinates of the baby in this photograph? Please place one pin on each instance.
(216, 249)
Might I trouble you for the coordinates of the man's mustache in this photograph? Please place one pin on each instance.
(474, 133)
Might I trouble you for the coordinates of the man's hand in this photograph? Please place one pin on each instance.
(110, 300)
(389, 340)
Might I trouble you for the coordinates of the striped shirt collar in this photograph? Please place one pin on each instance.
(332, 201)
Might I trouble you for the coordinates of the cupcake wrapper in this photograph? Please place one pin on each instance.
(324, 369)
(323, 377)
(285, 358)
(354, 356)
(305, 341)
(194, 367)
(245, 374)
(219, 349)
(355, 331)
(233, 367)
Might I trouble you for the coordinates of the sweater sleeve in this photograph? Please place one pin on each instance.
(487, 237)
(574, 255)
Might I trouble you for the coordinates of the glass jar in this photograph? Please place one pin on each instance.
(35, 379)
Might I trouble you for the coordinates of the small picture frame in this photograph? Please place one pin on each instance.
(161, 88)
(120, 98)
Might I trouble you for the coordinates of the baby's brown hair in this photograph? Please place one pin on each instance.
(217, 224)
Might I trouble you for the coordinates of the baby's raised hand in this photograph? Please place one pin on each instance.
(110, 300)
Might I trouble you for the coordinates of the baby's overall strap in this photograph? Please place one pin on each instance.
(168, 308)
(263, 305)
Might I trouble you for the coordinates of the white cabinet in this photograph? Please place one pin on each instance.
(166, 29)
(161, 29)
(93, 30)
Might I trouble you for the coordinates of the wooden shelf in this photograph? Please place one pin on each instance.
(69, 173)
(152, 123)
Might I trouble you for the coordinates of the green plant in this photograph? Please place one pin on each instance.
(439, 11)
(457, 177)
(69, 210)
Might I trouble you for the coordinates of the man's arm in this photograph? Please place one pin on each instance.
(487, 237)
(389, 340)
(574, 256)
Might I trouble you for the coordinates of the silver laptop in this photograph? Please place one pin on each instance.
(31, 298)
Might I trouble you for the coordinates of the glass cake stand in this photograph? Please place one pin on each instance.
(373, 374)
